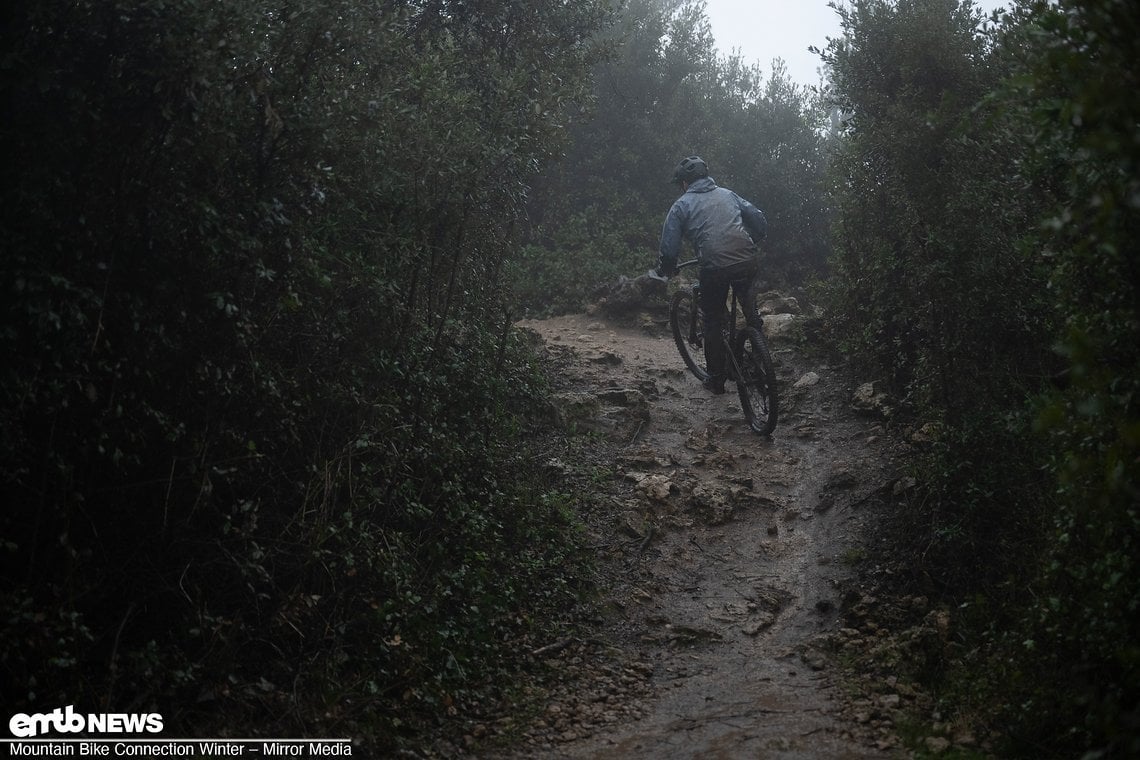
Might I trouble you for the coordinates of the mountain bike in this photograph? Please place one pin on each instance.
(749, 360)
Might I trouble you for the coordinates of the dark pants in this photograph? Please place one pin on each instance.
(715, 284)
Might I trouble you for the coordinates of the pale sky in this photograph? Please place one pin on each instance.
(767, 29)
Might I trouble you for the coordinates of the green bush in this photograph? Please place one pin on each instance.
(1088, 595)
(259, 464)
(987, 196)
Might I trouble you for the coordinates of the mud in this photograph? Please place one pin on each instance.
(730, 557)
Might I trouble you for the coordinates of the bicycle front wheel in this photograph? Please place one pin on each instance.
(757, 382)
(688, 332)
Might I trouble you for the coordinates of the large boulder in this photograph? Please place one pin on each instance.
(632, 294)
(775, 303)
(779, 326)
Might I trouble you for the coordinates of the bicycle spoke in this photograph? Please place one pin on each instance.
(684, 318)
(757, 384)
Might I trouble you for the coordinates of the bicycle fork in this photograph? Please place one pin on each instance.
(696, 338)
(736, 371)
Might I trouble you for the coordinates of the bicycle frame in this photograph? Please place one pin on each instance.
(748, 361)
(729, 335)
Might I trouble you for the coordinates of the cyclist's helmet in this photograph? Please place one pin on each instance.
(690, 169)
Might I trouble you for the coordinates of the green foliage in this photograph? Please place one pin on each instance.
(258, 371)
(1090, 593)
(988, 199)
(936, 290)
(934, 293)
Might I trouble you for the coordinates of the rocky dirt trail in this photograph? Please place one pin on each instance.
(729, 560)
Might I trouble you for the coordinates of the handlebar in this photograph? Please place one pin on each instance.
(653, 272)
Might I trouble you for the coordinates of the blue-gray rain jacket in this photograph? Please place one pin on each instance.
(723, 227)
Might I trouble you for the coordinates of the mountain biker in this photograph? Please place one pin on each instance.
(724, 229)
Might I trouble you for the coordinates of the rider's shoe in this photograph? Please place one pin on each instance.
(714, 385)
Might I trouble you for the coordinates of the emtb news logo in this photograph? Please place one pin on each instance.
(65, 720)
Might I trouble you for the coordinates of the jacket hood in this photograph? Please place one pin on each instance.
(702, 185)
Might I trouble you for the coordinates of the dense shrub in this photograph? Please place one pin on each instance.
(257, 464)
(936, 293)
(1086, 630)
(987, 199)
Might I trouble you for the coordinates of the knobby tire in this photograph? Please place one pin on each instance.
(685, 319)
(757, 382)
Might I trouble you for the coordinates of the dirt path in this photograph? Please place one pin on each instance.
(729, 556)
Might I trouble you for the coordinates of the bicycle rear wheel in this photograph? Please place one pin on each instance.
(688, 332)
(757, 382)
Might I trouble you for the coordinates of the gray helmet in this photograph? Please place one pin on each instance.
(690, 169)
